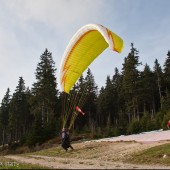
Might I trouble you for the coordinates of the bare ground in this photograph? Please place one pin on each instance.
(93, 155)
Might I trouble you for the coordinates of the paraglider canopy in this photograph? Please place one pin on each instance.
(87, 44)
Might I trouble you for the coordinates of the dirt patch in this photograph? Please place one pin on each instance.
(93, 155)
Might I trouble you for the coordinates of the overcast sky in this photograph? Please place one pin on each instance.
(28, 27)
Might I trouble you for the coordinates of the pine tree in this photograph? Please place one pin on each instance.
(117, 98)
(105, 103)
(19, 112)
(146, 95)
(159, 86)
(166, 99)
(119, 104)
(45, 97)
(90, 105)
(100, 108)
(4, 116)
(167, 71)
(130, 82)
(109, 100)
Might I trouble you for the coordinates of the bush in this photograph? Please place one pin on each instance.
(14, 146)
(145, 122)
(159, 119)
(134, 127)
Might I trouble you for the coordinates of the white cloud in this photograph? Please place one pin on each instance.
(27, 27)
(61, 14)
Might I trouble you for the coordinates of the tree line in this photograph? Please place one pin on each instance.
(131, 101)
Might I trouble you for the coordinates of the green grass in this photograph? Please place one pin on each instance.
(155, 155)
(6, 163)
(53, 152)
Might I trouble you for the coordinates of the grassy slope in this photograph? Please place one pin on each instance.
(155, 155)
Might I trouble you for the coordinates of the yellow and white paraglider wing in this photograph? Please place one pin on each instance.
(87, 44)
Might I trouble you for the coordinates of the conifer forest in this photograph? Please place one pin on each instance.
(131, 101)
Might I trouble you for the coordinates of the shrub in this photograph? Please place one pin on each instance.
(134, 127)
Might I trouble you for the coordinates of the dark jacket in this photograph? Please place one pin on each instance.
(65, 140)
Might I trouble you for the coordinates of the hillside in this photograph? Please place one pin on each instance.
(110, 153)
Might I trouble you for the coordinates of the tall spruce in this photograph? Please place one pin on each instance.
(19, 112)
(108, 103)
(166, 100)
(146, 95)
(130, 82)
(159, 86)
(167, 72)
(90, 105)
(117, 98)
(100, 108)
(44, 99)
